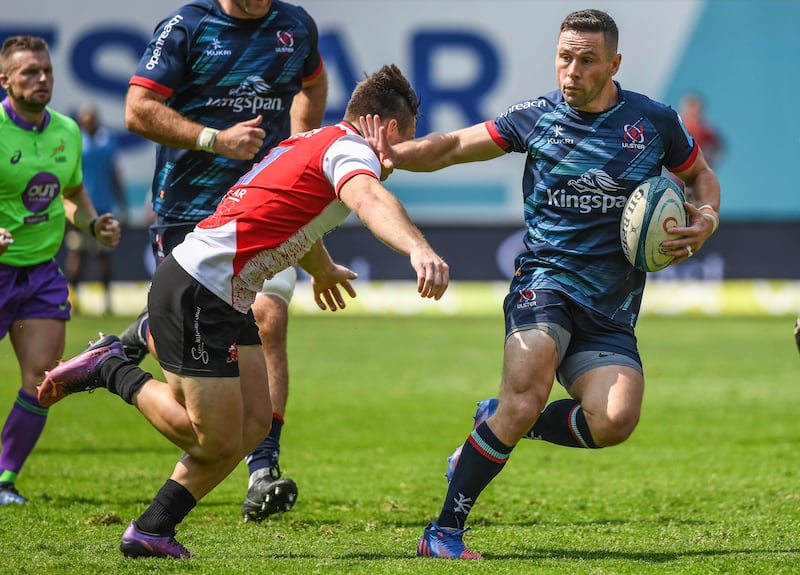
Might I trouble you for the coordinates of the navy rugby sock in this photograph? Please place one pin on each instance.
(482, 458)
(266, 454)
(562, 422)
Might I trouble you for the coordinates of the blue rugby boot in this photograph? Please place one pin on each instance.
(444, 544)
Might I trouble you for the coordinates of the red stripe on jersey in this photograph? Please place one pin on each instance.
(315, 73)
(688, 163)
(151, 85)
(498, 139)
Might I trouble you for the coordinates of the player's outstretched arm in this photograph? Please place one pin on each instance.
(432, 152)
(386, 218)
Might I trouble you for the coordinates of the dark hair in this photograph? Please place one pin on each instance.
(593, 21)
(15, 44)
(386, 93)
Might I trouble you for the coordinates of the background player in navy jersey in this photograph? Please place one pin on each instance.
(201, 297)
(573, 303)
(219, 85)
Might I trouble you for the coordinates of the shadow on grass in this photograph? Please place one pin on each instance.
(107, 450)
(642, 556)
(553, 554)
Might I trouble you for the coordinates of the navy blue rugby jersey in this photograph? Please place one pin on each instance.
(580, 169)
(218, 71)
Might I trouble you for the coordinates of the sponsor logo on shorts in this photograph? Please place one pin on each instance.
(198, 350)
(527, 299)
(233, 354)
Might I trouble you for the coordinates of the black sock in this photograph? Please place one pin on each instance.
(562, 422)
(482, 458)
(123, 377)
(172, 503)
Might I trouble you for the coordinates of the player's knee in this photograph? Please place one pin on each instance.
(519, 414)
(615, 429)
(218, 448)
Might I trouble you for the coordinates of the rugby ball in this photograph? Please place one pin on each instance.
(654, 207)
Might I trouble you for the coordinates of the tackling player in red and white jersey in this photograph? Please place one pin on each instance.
(276, 212)
(205, 335)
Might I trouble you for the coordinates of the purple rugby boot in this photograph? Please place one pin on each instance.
(81, 373)
(137, 544)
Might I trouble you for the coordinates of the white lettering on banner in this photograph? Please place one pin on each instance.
(467, 69)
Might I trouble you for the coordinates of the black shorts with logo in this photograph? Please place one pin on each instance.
(195, 332)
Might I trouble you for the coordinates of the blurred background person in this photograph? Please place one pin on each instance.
(103, 182)
(692, 112)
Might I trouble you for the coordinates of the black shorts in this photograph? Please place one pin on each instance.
(195, 332)
(164, 236)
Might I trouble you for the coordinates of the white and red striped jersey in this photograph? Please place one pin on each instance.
(273, 215)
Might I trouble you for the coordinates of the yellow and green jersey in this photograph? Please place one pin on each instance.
(36, 164)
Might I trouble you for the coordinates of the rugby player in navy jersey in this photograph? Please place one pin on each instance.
(574, 300)
(220, 84)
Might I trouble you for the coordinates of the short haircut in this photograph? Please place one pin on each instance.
(15, 44)
(386, 93)
(593, 21)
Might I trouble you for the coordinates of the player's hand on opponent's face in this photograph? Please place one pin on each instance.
(374, 133)
(241, 141)
(692, 237)
(5, 240)
(327, 287)
(107, 230)
(433, 273)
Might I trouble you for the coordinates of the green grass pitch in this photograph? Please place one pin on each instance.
(709, 482)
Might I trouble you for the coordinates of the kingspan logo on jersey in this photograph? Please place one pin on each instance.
(251, 94)
(594, 191)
